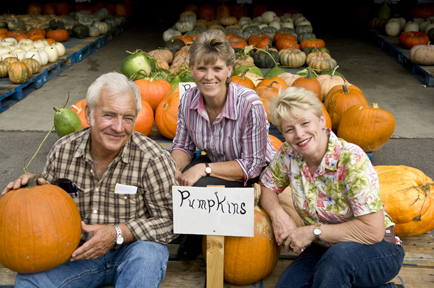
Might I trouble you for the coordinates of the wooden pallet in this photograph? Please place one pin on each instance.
(391, 45)
(76, 50)
(417, 271)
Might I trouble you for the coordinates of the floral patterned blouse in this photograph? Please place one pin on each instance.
(344, 186)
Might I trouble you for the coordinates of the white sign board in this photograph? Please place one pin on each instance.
(184, 86)
(213, 211)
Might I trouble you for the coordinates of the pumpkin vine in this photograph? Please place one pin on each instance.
(425, 189)
(46, 136)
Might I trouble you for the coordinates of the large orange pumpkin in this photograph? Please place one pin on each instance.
(250, 259)
(368, 127)
(408, 195)
(153, 91)
(166, 115)
(340, 99)
(39, 228)
(145, 119)
(327, 117)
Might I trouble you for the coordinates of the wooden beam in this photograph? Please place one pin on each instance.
(215, 252)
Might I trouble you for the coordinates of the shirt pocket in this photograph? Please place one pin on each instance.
(126, 207)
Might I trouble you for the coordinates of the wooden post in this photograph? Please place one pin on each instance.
(215, 252)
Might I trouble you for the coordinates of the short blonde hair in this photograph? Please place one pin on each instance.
(210, 46)
(293, 100)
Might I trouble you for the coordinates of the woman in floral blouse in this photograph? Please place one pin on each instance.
(335, 191)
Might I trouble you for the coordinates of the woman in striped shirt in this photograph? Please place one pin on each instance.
(225, 120)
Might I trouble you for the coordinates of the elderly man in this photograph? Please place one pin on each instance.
(124, 235)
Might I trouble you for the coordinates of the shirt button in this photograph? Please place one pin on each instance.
(96, 189)
(95, 211)
(125, 197)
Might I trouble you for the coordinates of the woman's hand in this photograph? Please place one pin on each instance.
(191, 176)
(283, 225)
(300, 238)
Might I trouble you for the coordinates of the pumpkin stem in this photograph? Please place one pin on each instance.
(271, 84)
(39, 148)
(243, 75)
(334, 70)
(308, 73)
(272, 58)
(375, 105)
(76, 108)
(33, 182)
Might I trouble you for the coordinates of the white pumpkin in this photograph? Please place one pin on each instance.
(393, 28)
(297, 15)
(268, 17)
(411, 26)
(422, 54)
(430, 18)
(243, 18)
(40, 43)
(27, 47)
(25, 41)
(19, 54)
(298, 20)
(6, 44)
(4, 55)
(60, 48)
(275, 24)
(423, 24)
(35, 55)
(288, 25)
(403, 22)
(262, 25)
(286, 19)
(52, 52)
(305, 22)
(170, 33)
(5, 50)
(428, 27)
(11, 40)
(12, 48)
(396, 20)
(418, 20)
(44, 56)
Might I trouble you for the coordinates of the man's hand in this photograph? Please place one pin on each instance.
(21, 181)
(102, 241)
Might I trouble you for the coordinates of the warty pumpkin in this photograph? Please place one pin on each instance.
(408, 195)
(368, 127)
(39, 228)
(340, 99)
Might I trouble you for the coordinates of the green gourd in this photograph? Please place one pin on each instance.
(66, 122)
(384, 11)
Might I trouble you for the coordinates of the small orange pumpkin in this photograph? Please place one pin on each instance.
(338, 101)
(78, 108)
(309, 83)
(59, 35)
(243, 80)
(144, 119)
(166, 115)
(153, 91)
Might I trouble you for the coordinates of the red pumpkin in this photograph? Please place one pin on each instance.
(223, 11)
(34, 9)
(239, 10)
(206, 12)
(49, 8)
(59, 35)
(412, 38)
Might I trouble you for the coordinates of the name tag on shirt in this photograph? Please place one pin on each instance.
(125, 189)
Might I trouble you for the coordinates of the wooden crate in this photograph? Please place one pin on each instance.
(417, 271)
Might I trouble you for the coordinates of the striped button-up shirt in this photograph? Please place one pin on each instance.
(141, 163)
(240, 131)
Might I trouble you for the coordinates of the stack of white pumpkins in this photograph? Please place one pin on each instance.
(396, 26)
(40, 50)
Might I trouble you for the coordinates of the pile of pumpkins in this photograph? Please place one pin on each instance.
(20, 60)
(79, 24)
(415, 34)
(280, 41)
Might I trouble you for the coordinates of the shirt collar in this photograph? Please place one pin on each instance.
(83, 149)
(228, 111)
(329, 161)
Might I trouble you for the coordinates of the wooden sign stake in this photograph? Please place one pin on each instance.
(215, 252)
